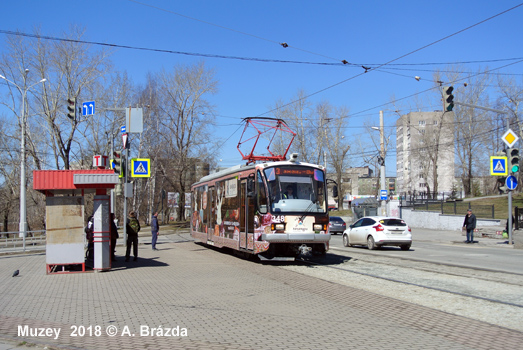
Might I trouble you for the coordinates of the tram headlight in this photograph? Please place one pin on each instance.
(278, 227)
(318, 227)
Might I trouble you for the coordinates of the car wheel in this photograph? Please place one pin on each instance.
(371, 244)
(405, 246)
(346, 241)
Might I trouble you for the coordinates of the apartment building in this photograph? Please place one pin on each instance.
(425, 152)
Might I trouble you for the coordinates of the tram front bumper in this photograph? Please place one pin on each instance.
(296, 237)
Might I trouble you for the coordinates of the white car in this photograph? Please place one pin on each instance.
(377, 231)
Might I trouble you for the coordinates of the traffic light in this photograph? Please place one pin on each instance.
(71, 108)
(513, 160)
(448, 98)
(503, 188)
(118, 163)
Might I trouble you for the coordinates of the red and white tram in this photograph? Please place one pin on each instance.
(274, 209)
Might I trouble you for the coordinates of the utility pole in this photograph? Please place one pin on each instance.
(382, 165)
(381, 162)
(509, 199)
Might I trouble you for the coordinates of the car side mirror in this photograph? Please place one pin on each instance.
(335, 191)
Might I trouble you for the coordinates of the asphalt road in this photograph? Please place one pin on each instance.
(447, 247)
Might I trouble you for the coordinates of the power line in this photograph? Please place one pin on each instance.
(367, 69)
(120, 46)
(283, 44)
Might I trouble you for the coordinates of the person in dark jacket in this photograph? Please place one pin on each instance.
(469, 224)
(114, 237)
(133, 227)
(154, 230)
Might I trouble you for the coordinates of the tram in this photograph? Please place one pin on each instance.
(275, 209)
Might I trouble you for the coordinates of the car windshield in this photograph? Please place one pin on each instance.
(296, 189)
(393, 222)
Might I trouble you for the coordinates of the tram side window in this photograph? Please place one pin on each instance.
(261, 195)
(197, 215)
(205, 206)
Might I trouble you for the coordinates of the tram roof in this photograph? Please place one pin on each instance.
(243, 167)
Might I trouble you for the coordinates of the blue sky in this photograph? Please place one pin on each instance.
(366, 33)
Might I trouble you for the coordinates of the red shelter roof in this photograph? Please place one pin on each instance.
(73, 181)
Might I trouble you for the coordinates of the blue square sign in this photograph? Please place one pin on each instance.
(498, 166)
(140, 167)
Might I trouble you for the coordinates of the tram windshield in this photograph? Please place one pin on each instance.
(296, 189)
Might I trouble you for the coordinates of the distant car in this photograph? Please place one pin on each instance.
(377, 231)
(336, 225)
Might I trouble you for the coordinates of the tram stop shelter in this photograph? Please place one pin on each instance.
(65, 236)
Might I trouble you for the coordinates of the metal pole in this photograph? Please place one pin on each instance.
(509, 202)
(125, 193)
(22, 228)
(382, 168)
(23, 209)
(113, 206)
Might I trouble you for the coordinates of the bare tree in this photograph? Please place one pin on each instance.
(186, 122)
(338, 147)
(299, 116)
(472, 126)
(72, 71)
(510, 99)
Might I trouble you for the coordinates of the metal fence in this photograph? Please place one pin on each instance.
(413, 198)
(456, 208)
(13, 239)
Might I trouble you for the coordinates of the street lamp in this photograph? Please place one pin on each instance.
(23, 209)
(381, 162)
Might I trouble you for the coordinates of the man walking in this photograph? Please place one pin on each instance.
(154, 230)
(469, 224)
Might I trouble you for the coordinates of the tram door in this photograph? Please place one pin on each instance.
(243, 214)
(246, 217)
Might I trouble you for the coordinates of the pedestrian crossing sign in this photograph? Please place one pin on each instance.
(140, 167)
(498, 166)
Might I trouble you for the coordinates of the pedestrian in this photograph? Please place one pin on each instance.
(89, 235)
(133, 227)
(469, 224)
(154, 230)
(513, 223)
(114, 237)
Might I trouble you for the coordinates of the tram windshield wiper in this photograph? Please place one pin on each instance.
(308, 210)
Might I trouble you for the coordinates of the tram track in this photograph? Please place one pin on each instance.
(486, 295)
(486, 274)
(395, 280)
(490, 296)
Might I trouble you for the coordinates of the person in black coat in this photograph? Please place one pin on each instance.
(114, 236)
(470, 224)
